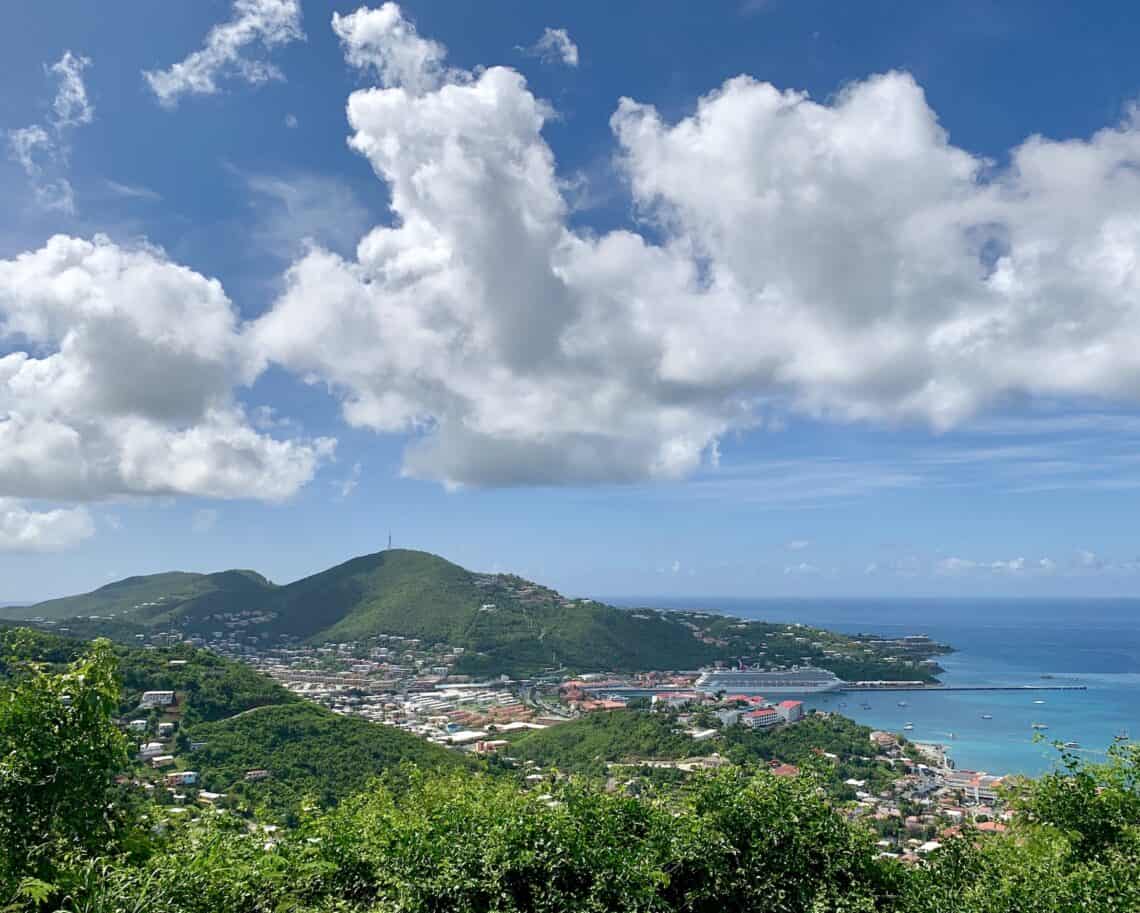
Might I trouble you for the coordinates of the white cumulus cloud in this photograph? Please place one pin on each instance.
(23, 529)
(119, 380)
(383, 41)
(841, 259)
(233, 50)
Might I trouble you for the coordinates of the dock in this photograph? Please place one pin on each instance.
(862, 687)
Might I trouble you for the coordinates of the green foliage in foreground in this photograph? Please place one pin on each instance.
(208, 686)
(59, 752)
(459, 841)
(311, 753)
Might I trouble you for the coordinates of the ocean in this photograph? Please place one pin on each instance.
(997, 642)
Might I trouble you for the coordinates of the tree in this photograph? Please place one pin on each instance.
(59, 753)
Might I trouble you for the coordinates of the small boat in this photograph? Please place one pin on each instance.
(1040, 726)
(987, 716)
(1048, 675)
(902, 703)
(1039, 701)
(1072, 745)
(864, 706)
(1121, 736)
(908, 727)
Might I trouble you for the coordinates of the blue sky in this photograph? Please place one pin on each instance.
(862, 322)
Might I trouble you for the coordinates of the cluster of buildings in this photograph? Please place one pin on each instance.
(929, 803)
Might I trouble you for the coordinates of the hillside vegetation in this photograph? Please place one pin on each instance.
(155, 598)
(505, 623)
(246, 719)
(72, 839)
(309, 752)
(208, 686)
(590, 744)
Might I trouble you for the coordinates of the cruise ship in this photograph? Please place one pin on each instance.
(801, 680)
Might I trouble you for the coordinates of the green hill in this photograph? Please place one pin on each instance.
(505, 624)
(508, 624)
(154, 598)
(309, 753)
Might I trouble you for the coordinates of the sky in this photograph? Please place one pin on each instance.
(749, 299)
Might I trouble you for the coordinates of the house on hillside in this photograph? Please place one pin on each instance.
(162, 760)
(157, 699)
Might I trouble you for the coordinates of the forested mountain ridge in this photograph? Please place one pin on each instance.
(506, 624)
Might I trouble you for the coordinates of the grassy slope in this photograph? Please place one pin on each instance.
(399, 591)
(309, 751)
(176, 592)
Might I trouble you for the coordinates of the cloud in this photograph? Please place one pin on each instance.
(383, 41)
(257, 25)
(30, 147)
(203, 520)
(132, 191)
(798, 545)
(347, 485)
(554, 46)
(43, 152)
(803, 569)
(1089, 560)
(71, 106)
(951, 566)
(28, 530)
(119, 380)
(295, 210)
(291, 121)
(842, 260)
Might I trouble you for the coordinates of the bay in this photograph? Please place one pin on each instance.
(1093, 642)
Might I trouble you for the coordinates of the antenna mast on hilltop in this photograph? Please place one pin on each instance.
(389, 540)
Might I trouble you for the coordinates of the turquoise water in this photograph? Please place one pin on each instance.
(1094, 643)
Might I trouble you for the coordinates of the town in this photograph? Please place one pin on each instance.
(410, 685)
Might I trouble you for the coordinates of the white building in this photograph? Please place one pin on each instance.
(157, 699)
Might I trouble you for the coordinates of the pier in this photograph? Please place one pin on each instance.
(852, 687)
